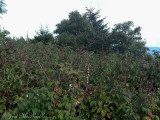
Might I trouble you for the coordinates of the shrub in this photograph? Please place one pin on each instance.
(50, 82)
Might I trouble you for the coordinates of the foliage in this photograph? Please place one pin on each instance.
(4, 36)
(43, 35)
(2, 7)
(156, 54)
(4, 33)
(125, 38)
(101, 31)
(89, 32)
(75, 31)
(51, 82)
(156, 107)
(45, 80)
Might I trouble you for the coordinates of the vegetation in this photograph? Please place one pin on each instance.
(88, 32)
(85, 73)
(43, 35)
(126, 39)
(64, 84)
(2, 7)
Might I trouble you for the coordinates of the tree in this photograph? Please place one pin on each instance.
(90, 32)
(4, 35)
(125, 38)
(75, 31)
(2, 7)
(101, 30)
(156, 54)
(43, 35)
(87, 31)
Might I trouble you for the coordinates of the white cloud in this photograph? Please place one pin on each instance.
(28, 15)
(144, 13)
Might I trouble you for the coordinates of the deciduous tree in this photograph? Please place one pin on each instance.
(127, 38)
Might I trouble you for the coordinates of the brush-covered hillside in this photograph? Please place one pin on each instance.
(59, 83)
(88, 71)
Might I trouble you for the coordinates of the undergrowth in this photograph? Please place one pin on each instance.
(49, 82)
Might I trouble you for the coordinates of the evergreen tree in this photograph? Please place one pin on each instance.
(75, 31)
(2, 7)
(90, 32)
(43, 35)
(101, 30)
(87, 31)
(4, 35)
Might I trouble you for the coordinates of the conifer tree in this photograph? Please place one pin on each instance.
(101, 30)
(75, 31)
(2, 7)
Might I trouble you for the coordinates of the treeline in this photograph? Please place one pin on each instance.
(89, 32)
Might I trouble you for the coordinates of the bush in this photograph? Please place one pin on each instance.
(47, 81)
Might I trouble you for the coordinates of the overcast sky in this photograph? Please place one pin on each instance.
(29, 15)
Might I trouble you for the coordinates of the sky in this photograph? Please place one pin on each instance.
(27, 16)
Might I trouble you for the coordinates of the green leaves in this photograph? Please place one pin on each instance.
(75, 31)
(103, 113)
(68, 106)
(44, 36)
(2, 7)
(64, 84)
(125, 39)
(2, 108)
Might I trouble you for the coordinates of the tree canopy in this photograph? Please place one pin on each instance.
(101, 30)
(90, 32)
(75, 31)
(43, 35)
(125, 38)
(2, 7)
(87, 30)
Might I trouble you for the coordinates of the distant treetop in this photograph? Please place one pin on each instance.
(2, 7)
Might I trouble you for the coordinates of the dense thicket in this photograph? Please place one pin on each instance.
(58, 83)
